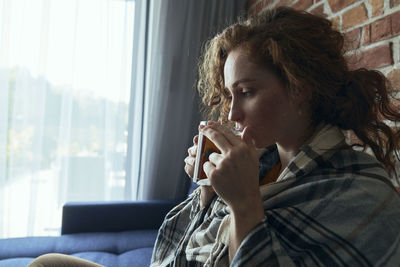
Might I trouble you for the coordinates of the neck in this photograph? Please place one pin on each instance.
(286, 155)
(287, 150)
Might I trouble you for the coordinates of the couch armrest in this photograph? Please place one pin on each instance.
(83, 217)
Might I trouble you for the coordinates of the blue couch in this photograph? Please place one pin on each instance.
(114, 234)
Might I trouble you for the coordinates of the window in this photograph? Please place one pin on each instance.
(65, 89)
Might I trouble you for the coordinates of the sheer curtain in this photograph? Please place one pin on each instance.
(65, 81)
(97, 102)
(176, 32)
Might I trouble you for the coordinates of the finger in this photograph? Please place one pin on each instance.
(229, 135)
(248, 138)
(192, 151)
(201, 126)
(189, 170)
(218, 138)
(215, 159)
(190, 161)
(195, 139)
(208, 167)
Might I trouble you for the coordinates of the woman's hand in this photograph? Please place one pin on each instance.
(206, 194)
(191, 158)
(233, 173)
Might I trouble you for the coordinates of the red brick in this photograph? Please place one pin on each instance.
(394, 3)
(352, 39)
(367, 34)
(394, 78)
(302, 4)
(395, 21)
(377, 7)
(252, 2)
(354, 16)
(257, 7)
(377, 57)
(268, 2)
(381, 29)
(284, 3)
(337, 5)
(249, 3)
(353, 61)
(319, 11)
(336, 22)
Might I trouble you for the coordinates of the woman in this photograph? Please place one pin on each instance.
(291, 192)
(310, 199)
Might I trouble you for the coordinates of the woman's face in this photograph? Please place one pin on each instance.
(260, 103)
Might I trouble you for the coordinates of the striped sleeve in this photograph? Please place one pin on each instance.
(260, 249)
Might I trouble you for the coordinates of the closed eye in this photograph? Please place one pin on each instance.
(246, 92)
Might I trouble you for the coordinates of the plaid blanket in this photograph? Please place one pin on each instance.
(331, 206)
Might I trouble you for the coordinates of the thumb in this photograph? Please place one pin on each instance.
(248, 138)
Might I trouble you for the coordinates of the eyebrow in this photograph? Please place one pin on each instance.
(235, 84)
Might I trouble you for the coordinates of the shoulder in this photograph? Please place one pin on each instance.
(358, 164)
(349, 162)
(351, 157)
(351, 173)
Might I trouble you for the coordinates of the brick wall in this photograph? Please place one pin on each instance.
(371, 28)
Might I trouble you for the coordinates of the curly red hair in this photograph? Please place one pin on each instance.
(307, 53)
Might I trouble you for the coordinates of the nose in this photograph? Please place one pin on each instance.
(235, 112)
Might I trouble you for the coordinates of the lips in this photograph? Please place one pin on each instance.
(238, 131)
(239, 128)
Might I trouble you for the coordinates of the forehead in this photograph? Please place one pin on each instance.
(238, 66)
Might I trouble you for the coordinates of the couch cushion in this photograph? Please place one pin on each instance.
(131, 248)
(16, 262)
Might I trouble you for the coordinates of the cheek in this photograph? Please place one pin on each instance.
(267, 121)
(268, 111)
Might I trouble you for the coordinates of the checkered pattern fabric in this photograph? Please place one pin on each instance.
(331, 206)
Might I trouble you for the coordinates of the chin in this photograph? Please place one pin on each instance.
(260, 141)
(264, 144)
(258, 145)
